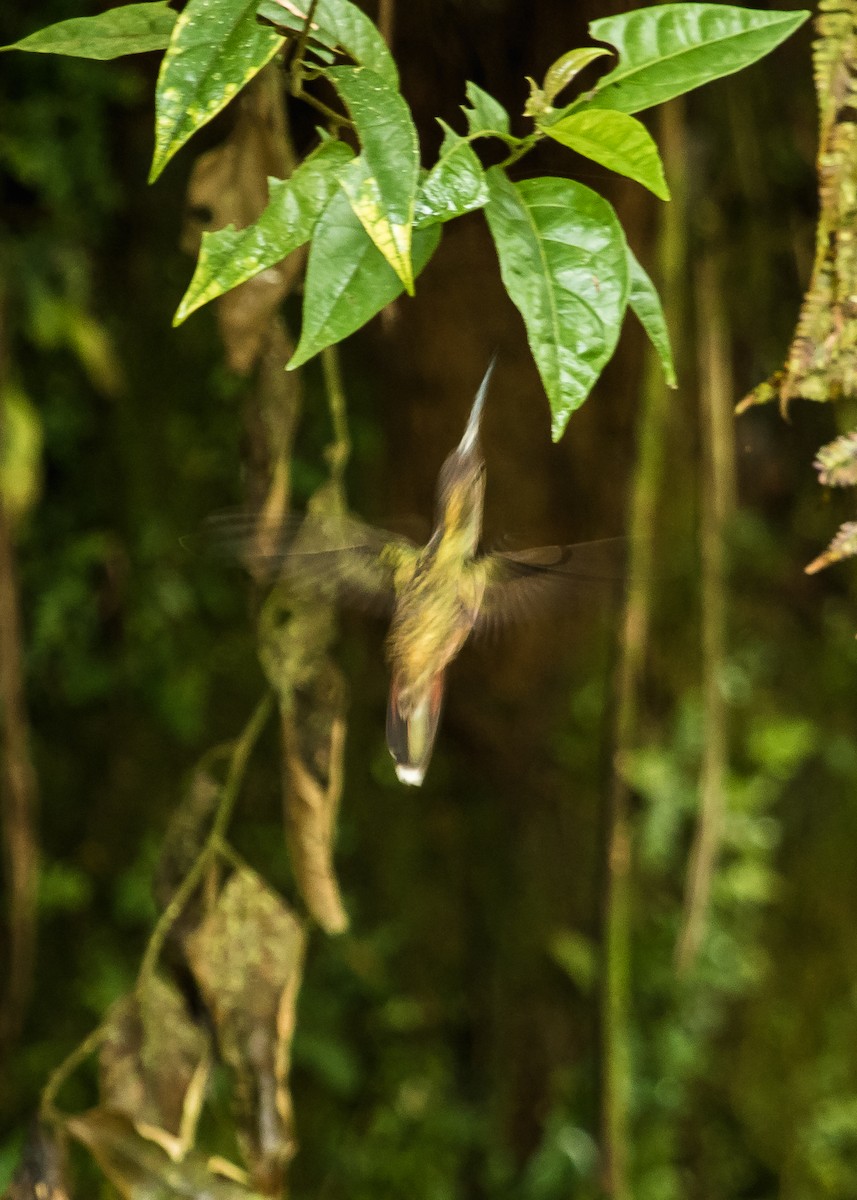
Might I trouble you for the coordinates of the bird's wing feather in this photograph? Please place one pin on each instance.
(319, 552)
(521, 582)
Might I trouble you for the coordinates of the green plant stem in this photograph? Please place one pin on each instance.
(520, 150)
(718, 492)
(213, 844)
(47, 1107)
(337, 454)
(616, 984)
(303, 37)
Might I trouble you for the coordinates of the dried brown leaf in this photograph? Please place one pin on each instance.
(142, 1170)
(186, 834)
(314, 747)
(247, 959)
(153, 1063)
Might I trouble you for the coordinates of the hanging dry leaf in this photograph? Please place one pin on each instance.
(188, 829)
(229, 185)
(247, 958)
(153, 1064)
(141, 1170)
(41, 1173)
(314, 748)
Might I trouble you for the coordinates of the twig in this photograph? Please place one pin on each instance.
(47, 1107)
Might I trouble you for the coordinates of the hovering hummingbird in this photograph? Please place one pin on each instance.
(438, 593)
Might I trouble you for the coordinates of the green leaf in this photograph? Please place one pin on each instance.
(337, 25)
(560, 74)
(381, 184)
(616, 140)
(487, 116)
(232, 256)
(646, 303)
(564, 262)
(669, 49)
(290, 23)
(359, 37)
(348, 280)
(131, 29)
(216, 48)
(455, 184)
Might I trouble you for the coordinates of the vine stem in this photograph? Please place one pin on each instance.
(47, 1108)
(338, 452)
(213, 843)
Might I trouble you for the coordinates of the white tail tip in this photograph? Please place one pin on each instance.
(410, 775)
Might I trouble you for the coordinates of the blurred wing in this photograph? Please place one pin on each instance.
(520, 583)
(330, 554)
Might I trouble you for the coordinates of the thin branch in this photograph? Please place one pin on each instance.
(56, 1081)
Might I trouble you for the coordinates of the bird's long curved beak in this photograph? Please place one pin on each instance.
(470, 440)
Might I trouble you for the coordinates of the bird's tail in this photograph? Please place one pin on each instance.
(411, 731)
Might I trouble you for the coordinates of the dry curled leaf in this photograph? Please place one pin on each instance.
(188, 829)
(142, 1170)
(153, 1064)
(247, 958)
(314, 748)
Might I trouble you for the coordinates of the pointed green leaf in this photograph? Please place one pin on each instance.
(216, 48)
(348, 280)
(359, 36)
(232, 256)
(560, 74)
(381, 184)
(336, 24)
(669, 49)
(486, 116)
(617, 141)
(646, 303)
(290, 22)
(455, 184)
(131, 29)
(564, 262)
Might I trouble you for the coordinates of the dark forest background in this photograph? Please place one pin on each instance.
(450, 1045)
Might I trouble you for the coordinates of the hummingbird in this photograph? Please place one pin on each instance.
(437, 594)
